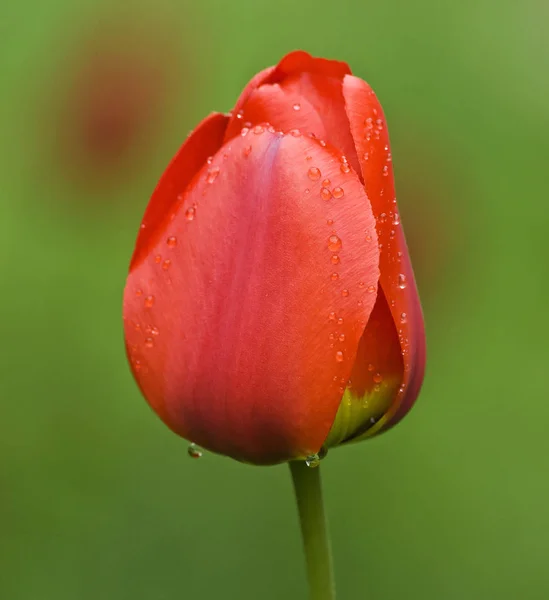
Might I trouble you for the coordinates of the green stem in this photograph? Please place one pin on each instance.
(314, 529)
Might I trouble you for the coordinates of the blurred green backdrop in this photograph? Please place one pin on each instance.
(97, 498)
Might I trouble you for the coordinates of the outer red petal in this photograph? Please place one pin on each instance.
(371, 138)
(314, 85)
(204, 141)
(248, 320)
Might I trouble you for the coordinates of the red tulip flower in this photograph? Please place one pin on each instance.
(271, 311)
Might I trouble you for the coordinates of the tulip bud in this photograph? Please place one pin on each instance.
(271, 310)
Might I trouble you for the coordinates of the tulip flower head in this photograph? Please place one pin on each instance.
(271, 311)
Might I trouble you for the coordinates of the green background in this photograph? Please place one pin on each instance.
(97, 498)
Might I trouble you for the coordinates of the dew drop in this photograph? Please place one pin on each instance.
(194, 451)
(307, 191)
(325, 193)
(166, 264)
(330, 222)
(332, 316)
(322, 143)
(209, 160)
(247, 151)
(379, 123)
(244, 131)
(361, 284)
(149, 342)
(312, 461)
(212, 174)
(368, 238)
(377, 378)
(396, 219)
(335, 259)
(345, 168)
(341, 337)
(366, 156)
(138, 293)
(326, 183)
(385, 171)
(382, 217)
(338, 192)
(339, 356)
(172, 242)
(370, 367)
(154, 331)
(295, 132)
(334, 276)
(403, 318)
(190, 214)
(340, 321)
(345, 293)
(314, 173)
(334, 243)
(158, 259)
(402, 281)
(258, 129)
(296, 106)
(149, 301)
(371, 289)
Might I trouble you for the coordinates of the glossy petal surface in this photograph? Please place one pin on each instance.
(204, 141)
(246, 312)
(371, 138)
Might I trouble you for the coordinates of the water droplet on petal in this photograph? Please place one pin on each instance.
(338, 192)
(345, 168)
(172, 242)
(402, 281)
(334, 243)
(258, 129)
(341, 337)
(339, 356)
(166, 264)
(370, 367)
(314, 173)
(149, 342)
(377, 378)
(189, 214)
(296, 106)
(158, 259)
(403, 318)
(332, 316)
(340, 321)
(361, 284)
(371, 289)
(385, 171)
(334, 276)
(396, 219)
(330, 222)
(312, 461)
(154, 331)
(244, 131)
(325, 193)
(247, 151)
(366, 156)
(295, 132)
(212, 174)
(149, 301)
(138, 293)
(345, 293)
(335, 259)
(194, 451)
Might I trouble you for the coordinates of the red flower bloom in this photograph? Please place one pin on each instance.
(271, 309)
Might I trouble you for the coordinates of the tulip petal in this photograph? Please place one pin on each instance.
(397, 279)
(258, 315)
(204, 141)
(314, 85)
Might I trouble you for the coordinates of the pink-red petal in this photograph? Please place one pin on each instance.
(257, 317)
(371, 139)
(204, 141)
